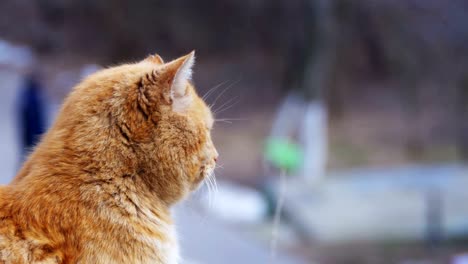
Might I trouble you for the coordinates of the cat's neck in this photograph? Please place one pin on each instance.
(130, 196)
(118, 189)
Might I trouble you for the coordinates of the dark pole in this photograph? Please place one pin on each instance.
(462, 114)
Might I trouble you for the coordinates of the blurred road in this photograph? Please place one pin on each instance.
(205, 240)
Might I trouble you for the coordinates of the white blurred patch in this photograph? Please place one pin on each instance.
(15, 56)
(236, 204)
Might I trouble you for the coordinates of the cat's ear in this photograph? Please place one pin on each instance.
(155, 59)
(177, 73)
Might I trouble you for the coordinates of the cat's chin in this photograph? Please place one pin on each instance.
(204, 175)
(198, 180)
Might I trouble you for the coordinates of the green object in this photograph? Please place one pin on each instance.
(283, 154)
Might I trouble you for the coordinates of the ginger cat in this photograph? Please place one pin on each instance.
(130, 141)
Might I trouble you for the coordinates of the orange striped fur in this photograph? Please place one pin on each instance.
(129, 142)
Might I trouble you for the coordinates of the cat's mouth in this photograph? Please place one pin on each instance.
(199, 178)
(206, 173)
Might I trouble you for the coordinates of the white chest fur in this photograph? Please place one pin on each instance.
(167, 252)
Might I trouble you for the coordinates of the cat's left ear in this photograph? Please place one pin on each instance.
(176, 75)
(172, 79)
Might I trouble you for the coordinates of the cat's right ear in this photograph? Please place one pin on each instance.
(155, 59)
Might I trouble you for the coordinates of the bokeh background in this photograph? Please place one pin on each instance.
(351, 113)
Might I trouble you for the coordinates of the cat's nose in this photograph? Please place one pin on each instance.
(215, 159)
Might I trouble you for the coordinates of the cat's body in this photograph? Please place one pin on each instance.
(130, 142)
(46, 225)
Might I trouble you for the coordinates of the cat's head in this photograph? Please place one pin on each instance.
(145, 120)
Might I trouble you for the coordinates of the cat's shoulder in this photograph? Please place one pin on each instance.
(3, 198)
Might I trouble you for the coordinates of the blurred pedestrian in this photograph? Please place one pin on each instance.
(31, 112)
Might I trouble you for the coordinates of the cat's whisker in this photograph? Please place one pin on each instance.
(213, 187)
(224, 91)
(215, 183)
(233, 119)
(209, 188)
(229, 120)
(227, 107)
(224, 121)
(212, 181)
(224, 104)
(213, 89)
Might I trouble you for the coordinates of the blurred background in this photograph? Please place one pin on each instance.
(343, 128)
